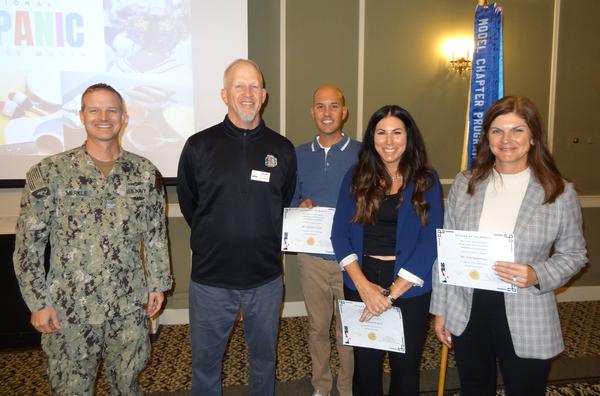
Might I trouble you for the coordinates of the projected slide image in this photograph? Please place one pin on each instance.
(148, 36)
(45, 122)
(168, 73)
(57, 49)
(30, 116)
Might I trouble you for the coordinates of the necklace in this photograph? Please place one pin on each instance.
(397, 177)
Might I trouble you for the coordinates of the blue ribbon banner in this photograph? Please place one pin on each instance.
(487, 79)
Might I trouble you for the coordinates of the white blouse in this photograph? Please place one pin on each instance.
(503, 197)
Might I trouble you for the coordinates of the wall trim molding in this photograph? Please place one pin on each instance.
(173, 210)
(8, 222)
(586, 201)
(589, 201)
(182, 315)
(282, 66)
(553, 74)
(297, 308)
(578, 293)
(360, 86)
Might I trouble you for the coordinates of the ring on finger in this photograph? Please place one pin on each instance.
(514, 279)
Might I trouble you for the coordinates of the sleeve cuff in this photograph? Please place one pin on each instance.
(410, 277)
(347, 260)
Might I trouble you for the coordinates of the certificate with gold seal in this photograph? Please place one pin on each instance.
(466, 258)
(307, 230)
(385, 332)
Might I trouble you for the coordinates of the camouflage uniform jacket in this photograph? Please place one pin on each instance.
(96, 226)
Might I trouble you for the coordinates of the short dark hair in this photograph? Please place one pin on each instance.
(99, 87)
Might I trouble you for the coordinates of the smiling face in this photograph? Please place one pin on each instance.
(243, 93)
(390, 142)
(102, 115)
(510, 139)
(328, 110)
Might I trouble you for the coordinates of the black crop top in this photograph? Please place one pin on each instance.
(380, 238)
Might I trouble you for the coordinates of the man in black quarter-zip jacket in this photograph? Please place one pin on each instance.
(234, 180)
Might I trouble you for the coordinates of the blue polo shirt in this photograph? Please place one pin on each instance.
(320, 173)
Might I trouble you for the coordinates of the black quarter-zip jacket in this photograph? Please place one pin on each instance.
(232, 186)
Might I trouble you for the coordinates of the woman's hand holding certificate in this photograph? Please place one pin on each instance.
(385, 331)
(520, 275)
(468, 258)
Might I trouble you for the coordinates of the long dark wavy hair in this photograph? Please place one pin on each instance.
(539, 158)
(371, 180)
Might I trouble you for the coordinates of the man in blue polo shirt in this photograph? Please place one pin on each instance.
(322, 164)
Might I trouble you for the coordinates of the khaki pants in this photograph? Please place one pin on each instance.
(322, 286)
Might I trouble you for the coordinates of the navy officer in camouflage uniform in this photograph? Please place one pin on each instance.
(97, 205)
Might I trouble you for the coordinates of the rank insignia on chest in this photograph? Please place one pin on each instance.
(270, 161)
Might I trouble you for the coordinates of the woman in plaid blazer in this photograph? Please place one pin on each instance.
(514, 186)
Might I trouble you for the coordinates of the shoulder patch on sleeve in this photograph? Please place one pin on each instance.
(35, 181)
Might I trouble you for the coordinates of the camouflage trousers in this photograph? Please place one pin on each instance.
(74, 353)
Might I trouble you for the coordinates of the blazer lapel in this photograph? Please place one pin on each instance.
(534, 196)
(476, 206)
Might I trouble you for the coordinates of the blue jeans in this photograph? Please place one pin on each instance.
(213, 311)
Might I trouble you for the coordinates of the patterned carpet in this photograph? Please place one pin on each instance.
(23, 372)
(586, 388)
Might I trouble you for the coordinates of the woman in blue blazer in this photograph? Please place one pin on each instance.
(513, 187)
(383, 235)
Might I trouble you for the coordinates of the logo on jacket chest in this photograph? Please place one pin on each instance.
(270, 161)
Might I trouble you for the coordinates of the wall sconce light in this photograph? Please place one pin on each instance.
(459, 52)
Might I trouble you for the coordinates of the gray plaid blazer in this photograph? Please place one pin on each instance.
(548, 237)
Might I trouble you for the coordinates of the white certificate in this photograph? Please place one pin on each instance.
(466, 258)
(307, 230)
(385, 332)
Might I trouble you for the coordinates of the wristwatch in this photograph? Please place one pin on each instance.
(387, 293)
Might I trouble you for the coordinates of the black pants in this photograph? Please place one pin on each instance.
(486, 338)
(405, 367)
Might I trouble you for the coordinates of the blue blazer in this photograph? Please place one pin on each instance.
(415, 243)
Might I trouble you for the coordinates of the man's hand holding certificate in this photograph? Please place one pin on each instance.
(385, 332)
(466, 258)
(307, 230)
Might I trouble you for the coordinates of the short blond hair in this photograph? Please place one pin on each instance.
(100, 87)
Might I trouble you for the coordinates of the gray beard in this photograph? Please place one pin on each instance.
(246, 117)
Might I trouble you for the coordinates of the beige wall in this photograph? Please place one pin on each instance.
(578, 95)
(403, 65)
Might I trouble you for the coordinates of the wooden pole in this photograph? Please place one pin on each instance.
(443, 367)
(463, 165)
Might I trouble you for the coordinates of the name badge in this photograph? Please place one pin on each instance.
(260, 176)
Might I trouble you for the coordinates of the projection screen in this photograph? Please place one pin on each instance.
(166, 57)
